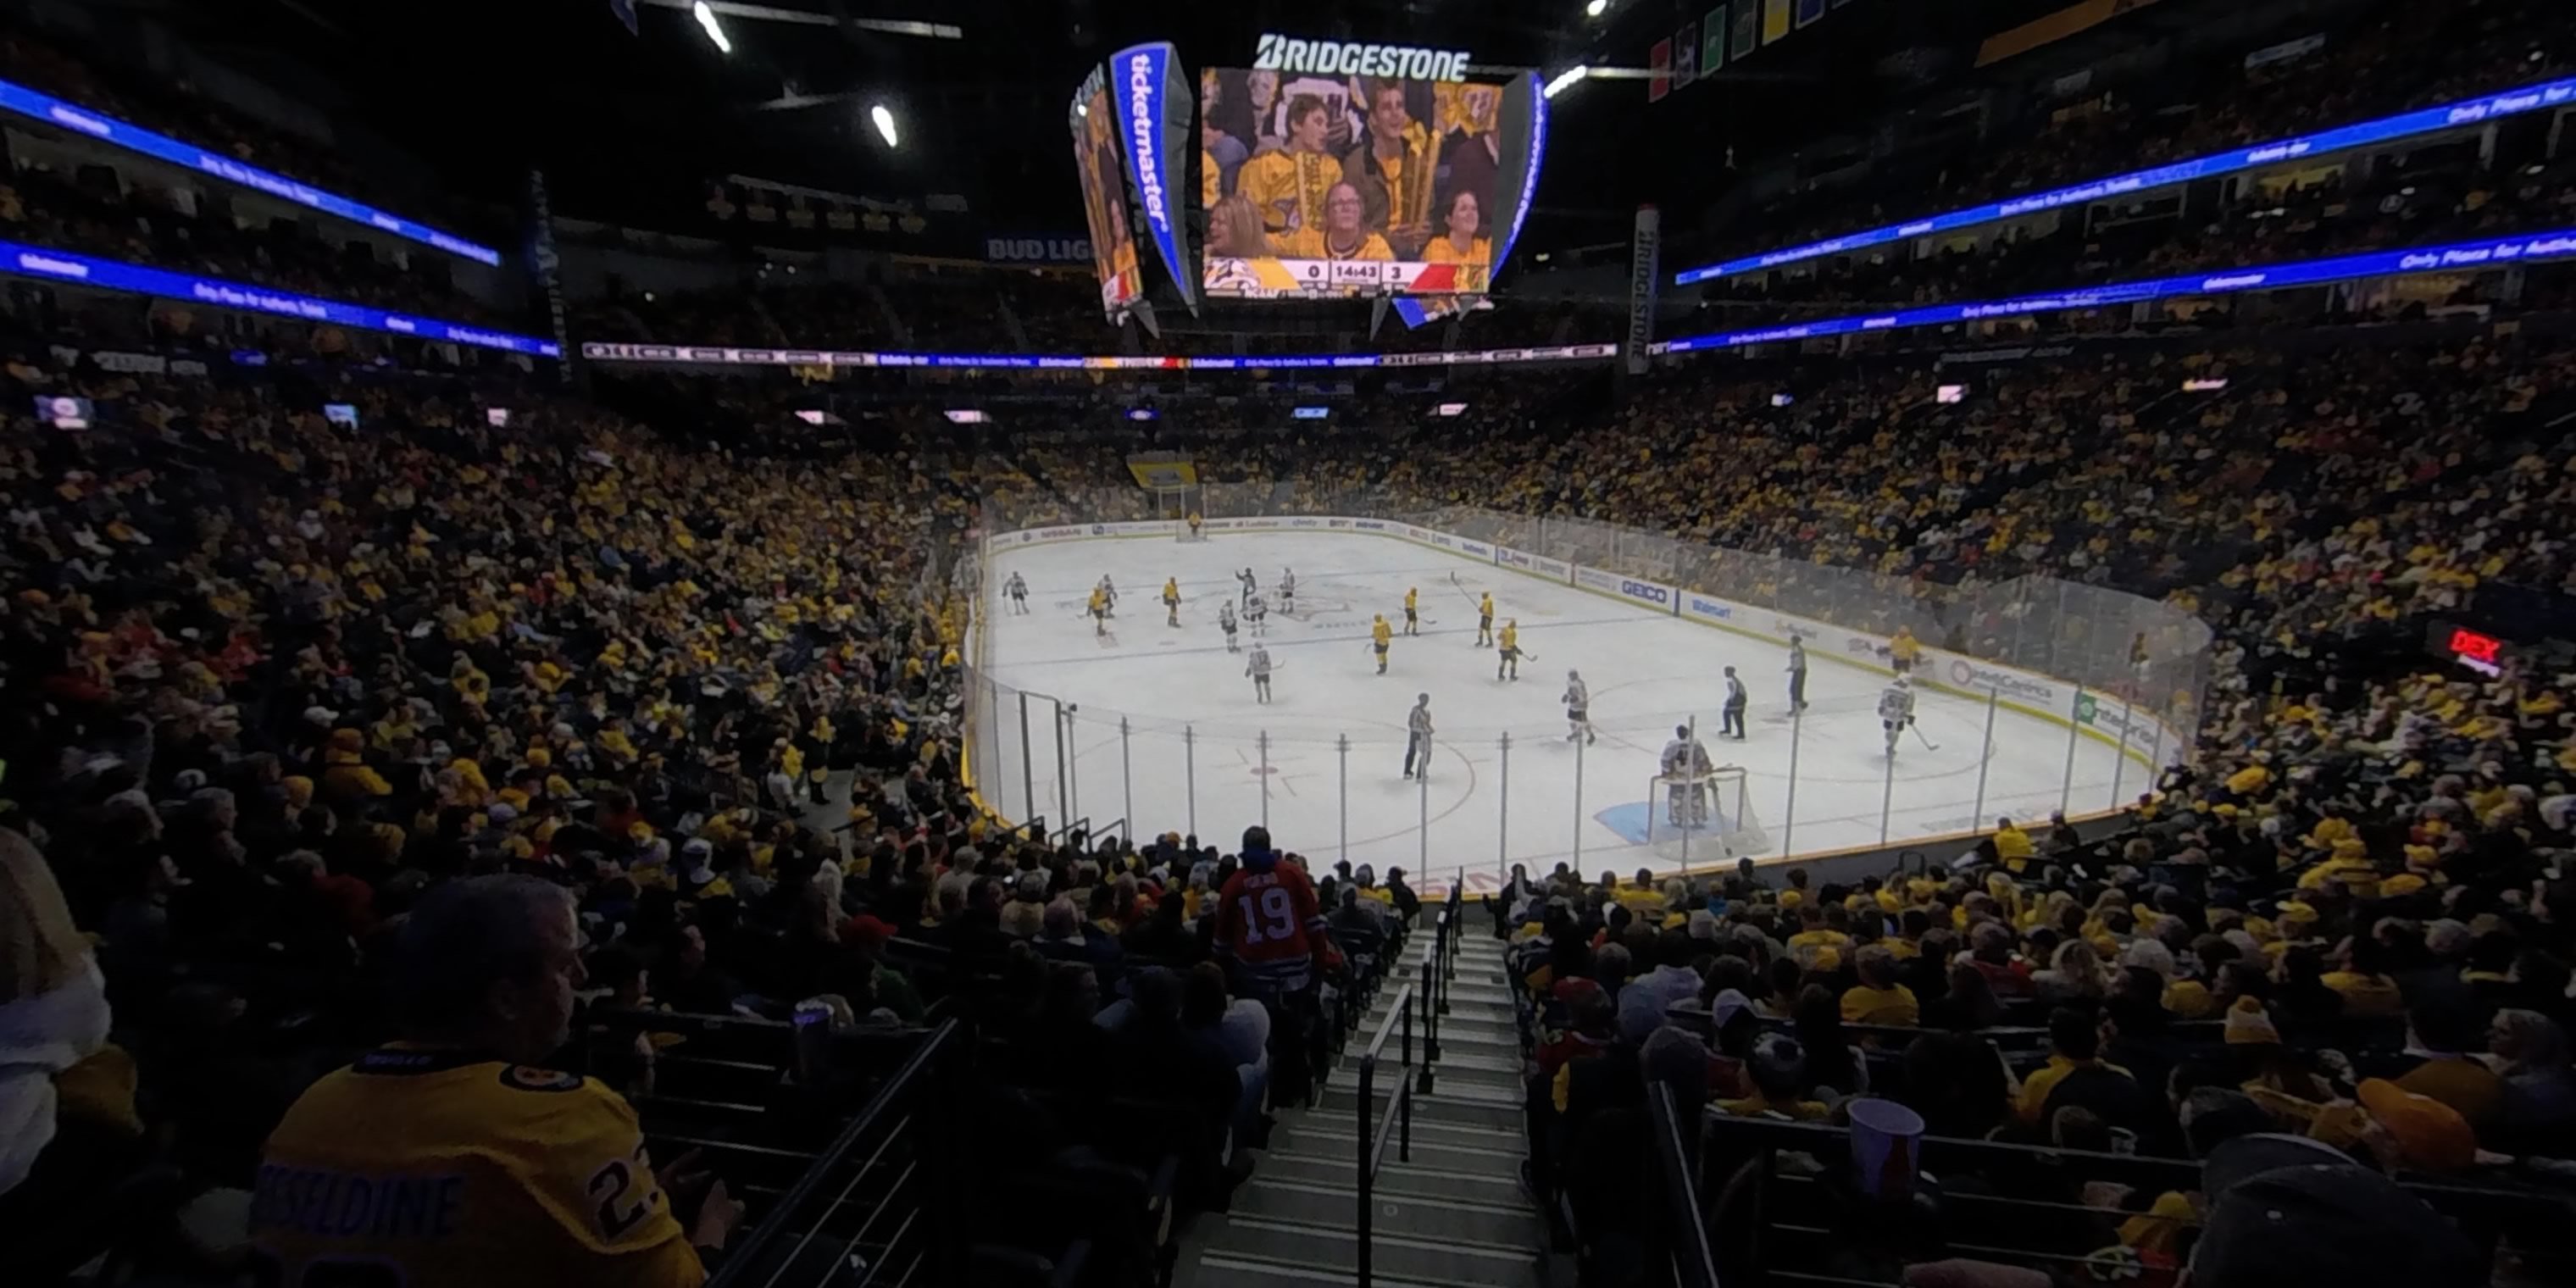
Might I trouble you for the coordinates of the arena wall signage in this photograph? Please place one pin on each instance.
(2544, 96)
(109, 275)
(2135, 731)
(1277, 53)
(1154, 116)
(1038, 250)
(161, 147)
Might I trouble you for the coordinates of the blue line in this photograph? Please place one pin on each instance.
(108, 274)
(63, 114)
(2491, 253)
(2512, 102)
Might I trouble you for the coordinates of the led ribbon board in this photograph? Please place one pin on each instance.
(723, 356)
(134, 138)
(1154, 114)
(2514, 102)
(2491, 253)
(109, 275)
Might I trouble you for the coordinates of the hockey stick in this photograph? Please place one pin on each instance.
(1928, 744)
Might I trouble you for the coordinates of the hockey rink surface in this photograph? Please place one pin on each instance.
(1647, 673)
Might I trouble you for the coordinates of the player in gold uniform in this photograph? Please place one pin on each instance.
(1381, 638)
(1099, 610)
(1485, 620)
(1412, 612)
(446, 1161)
(1509, 651)
(1172, 600)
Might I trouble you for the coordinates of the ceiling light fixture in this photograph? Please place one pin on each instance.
(715, 30)
(1595, 8)
(1557, 83)
(885, 124)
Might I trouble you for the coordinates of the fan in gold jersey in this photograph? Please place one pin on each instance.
(1344, 234)
(448, 1160)
(1290, 187)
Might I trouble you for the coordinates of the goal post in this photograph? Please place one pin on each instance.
(1693, 819)
(1178, 504)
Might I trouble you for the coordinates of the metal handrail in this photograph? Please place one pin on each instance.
(1372, 1140)
(744, 1257)
(1694, 1265)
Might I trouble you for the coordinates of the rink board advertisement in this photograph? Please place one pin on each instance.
(2137, 733)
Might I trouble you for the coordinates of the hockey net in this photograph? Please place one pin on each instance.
(1175, 503)
(1704, 818)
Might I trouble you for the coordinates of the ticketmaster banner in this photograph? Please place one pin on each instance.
(1154, 114)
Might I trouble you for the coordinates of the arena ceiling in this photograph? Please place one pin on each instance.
(629, 128)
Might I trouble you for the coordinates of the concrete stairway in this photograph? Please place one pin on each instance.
(1452, 1214)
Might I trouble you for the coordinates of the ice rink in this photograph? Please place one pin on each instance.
(1192, 753)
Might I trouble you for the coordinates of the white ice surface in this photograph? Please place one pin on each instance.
(1648, 672)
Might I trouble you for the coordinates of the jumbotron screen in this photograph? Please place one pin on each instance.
(1350, 185)
(1104, 196)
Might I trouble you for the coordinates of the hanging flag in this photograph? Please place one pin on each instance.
(1712, 41)
(1810, 12)
(1659, 61)
(1748, 28)
(1775, 21)
(625, 11)
(1686, 55)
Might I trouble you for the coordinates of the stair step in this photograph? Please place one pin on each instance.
(1491, 1074)
(1227, 1271)
(1489, 1180)
(1330, 1254)
(1435, 1146)
(1455, 1106)
(1397, 1215)
(1462, 1010)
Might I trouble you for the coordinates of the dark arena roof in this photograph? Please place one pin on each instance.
(678, 643)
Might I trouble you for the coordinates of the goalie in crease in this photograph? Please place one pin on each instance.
(1686, 767)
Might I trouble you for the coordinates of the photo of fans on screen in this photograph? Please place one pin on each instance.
(1104, 200)
(1347, 185)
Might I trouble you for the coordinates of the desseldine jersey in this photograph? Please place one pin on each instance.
(1895, 704)
(425, 1168)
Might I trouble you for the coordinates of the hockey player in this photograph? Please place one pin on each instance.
(1797, 674)
(1417, 735)
(1287, 591)
(1225, 622)
(1412, 610)
(1896, 710)
(1903, 650)
(1684, 762)
(1256, 615)
(1258, 667)
(1109, 591)
(1578, 709)
(1379, 637)
(1485, 620)
(1195, 523)
(1099, 610)
(1508, 651)
(1172, 601)
(1251, 585)
(1018, 590)
(1736, 701)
